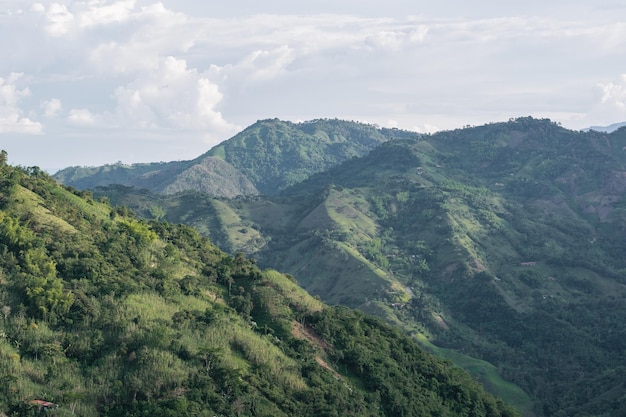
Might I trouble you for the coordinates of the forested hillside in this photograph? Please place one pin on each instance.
(501, 246)
(104, 314)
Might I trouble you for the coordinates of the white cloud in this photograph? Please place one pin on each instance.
(425, 128)
(38, 8)
(262, 65)
(173, 97)
(83, 118)
(63, 19)
(12, 119)
(614, 93)
(150, 33)
(58, 18)
(386, 39)
(100, 13)
(112, 57)
(52, 107)
(609, 104)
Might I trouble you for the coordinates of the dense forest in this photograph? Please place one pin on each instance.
(498, 246)
(105, 314)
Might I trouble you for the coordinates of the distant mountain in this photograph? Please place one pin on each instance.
(209, 175)
(608, 129)
(266, 157)
(501, 244)
(104, 314)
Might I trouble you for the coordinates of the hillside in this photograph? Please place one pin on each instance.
(208, 175)
(267, 157)
(104, 314)
(499, 246)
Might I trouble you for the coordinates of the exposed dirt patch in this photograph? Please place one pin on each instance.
(305, 333)
(477, 265)
(440, 321)
(325, 365)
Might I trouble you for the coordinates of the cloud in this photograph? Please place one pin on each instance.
(172, 97)
(100, 13)
(61, 19)
(12, 119)
(83, 118)
(610, 102)
(256, 67)
(614, 93)
(51, 107)
(147, 38)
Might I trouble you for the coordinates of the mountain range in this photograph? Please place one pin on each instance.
(499, 247)
(608, 129)
(105, 314)
(264, 158)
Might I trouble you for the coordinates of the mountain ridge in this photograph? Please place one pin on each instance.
(264, 158)
(493, 241)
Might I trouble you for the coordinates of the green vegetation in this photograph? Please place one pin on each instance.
(502, 244)
(104, 314)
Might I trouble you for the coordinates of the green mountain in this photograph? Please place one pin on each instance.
(267, 156)
(209, 175)
(499, 246)
(104, 314)
(274, 154)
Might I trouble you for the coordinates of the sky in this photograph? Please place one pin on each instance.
(101, 81)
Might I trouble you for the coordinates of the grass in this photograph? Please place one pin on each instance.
(149, 306)
(487, 374)
(93, 208)
(240, 235)
(343, 208)
(292, 291)
(33, 204)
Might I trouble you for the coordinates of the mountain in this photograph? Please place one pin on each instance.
(104, 314)
(209, 175)
(499, 246)
(267, 156)
(608, 129)
(274, 154)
